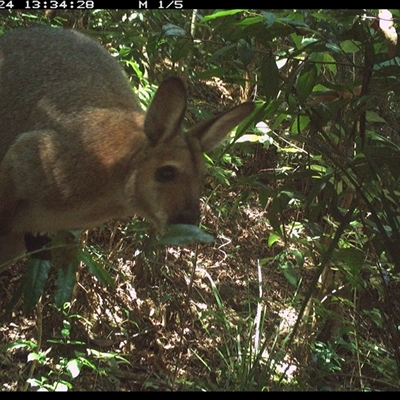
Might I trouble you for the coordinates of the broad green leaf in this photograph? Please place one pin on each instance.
(270, 18)
(134, 65)
(299, 124)
(263, 196)
(306, 82)
(66, 279)
(34, 282)
(96, 268)
(353, 261)
(273, 238)
(245, 51)
(372, 116)
(333, 47)
(21, 344)
(297, 40)
(181, 50)
(317, 187)
(221, 51)
(277, 206)
(350, 46)
(250, 21)
(220, 14)
(181, 234)
(299, 257)
(173, 30)
(375, 315)
(350, 257)
(289, 272)
(330, 63)
(323, 60)
(270, 78)
(294, 22)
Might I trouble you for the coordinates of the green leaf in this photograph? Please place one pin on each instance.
(294, 22)
(173, 30)
(220, 14)
(376, 316)
(299, 124)
(273, 237)
(306, 82)
(34, 282)
(350, 257)
(220, 52)
(251, 21)
(270, 18)
(372, 116)
(181, 50)
(270, 78)
(66, 279)
(299, 257)
(182, 234)
(350, 46)
(263, 197)
(277, 207)
(289, 273)
(21, 344)
(353, 261)
(96, 268)
(245, 51)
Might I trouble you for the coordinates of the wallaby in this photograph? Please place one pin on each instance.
(76, 149)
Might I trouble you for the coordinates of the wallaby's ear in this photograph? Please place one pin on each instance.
(165, 113)
(211, 132)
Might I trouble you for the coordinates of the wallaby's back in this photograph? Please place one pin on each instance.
(41, 67)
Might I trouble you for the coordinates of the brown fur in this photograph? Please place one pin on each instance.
(77, 150)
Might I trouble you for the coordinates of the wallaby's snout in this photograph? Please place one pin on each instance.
(76, 149)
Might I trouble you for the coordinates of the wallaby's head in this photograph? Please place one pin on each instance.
(166, 186)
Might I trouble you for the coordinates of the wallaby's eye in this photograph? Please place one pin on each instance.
(166, 174)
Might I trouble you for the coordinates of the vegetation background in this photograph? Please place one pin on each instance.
(300, 290)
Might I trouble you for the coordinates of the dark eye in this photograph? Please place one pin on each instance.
(166, 174)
